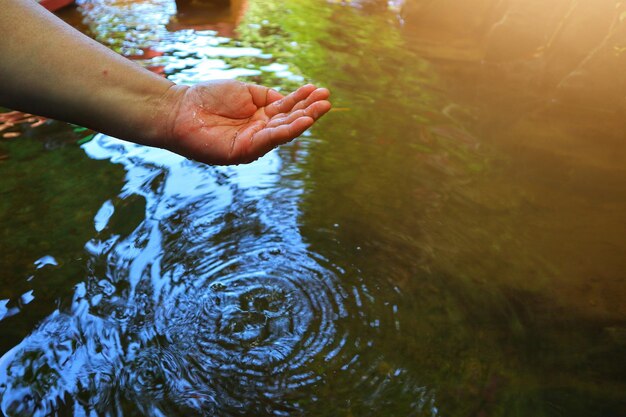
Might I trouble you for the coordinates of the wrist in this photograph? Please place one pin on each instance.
(164, 111)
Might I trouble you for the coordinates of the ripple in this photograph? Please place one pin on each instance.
(258, 334)
(212, 305)
(201, 296)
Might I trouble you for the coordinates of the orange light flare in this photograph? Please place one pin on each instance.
(13, 119)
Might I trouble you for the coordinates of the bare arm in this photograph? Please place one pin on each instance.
(51, 69)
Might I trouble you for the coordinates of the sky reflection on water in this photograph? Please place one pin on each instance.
(212, 304)
(200, 295)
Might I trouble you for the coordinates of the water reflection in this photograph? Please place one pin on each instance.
(410, 256)
(200, 296)
(211, 303)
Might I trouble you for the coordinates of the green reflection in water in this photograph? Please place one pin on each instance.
(399, 188)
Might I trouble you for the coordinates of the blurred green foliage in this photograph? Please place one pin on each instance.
(401, 193)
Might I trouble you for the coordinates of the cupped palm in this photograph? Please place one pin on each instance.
(231, 122)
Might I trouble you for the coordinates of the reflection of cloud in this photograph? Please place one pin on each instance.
(61, 357)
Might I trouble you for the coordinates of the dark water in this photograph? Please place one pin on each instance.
(449, 241)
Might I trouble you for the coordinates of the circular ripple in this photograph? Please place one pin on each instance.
(261, 333)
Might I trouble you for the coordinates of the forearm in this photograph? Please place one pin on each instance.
(49, 68)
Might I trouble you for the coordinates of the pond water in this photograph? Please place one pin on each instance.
(448, 241)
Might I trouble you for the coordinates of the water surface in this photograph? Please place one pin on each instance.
(449, 241)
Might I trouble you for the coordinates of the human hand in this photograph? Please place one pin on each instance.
(228, 122)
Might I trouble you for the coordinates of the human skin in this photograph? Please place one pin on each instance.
(50, 69)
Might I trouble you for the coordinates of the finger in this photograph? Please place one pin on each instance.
(318, 109)
(267, 139)
(263, 96)
(315, 111)
(287, 103)
(285, 119)
(317, 95)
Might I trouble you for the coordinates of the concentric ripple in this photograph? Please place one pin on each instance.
(254, 336)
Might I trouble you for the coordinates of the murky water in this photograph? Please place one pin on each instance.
(449, 241)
